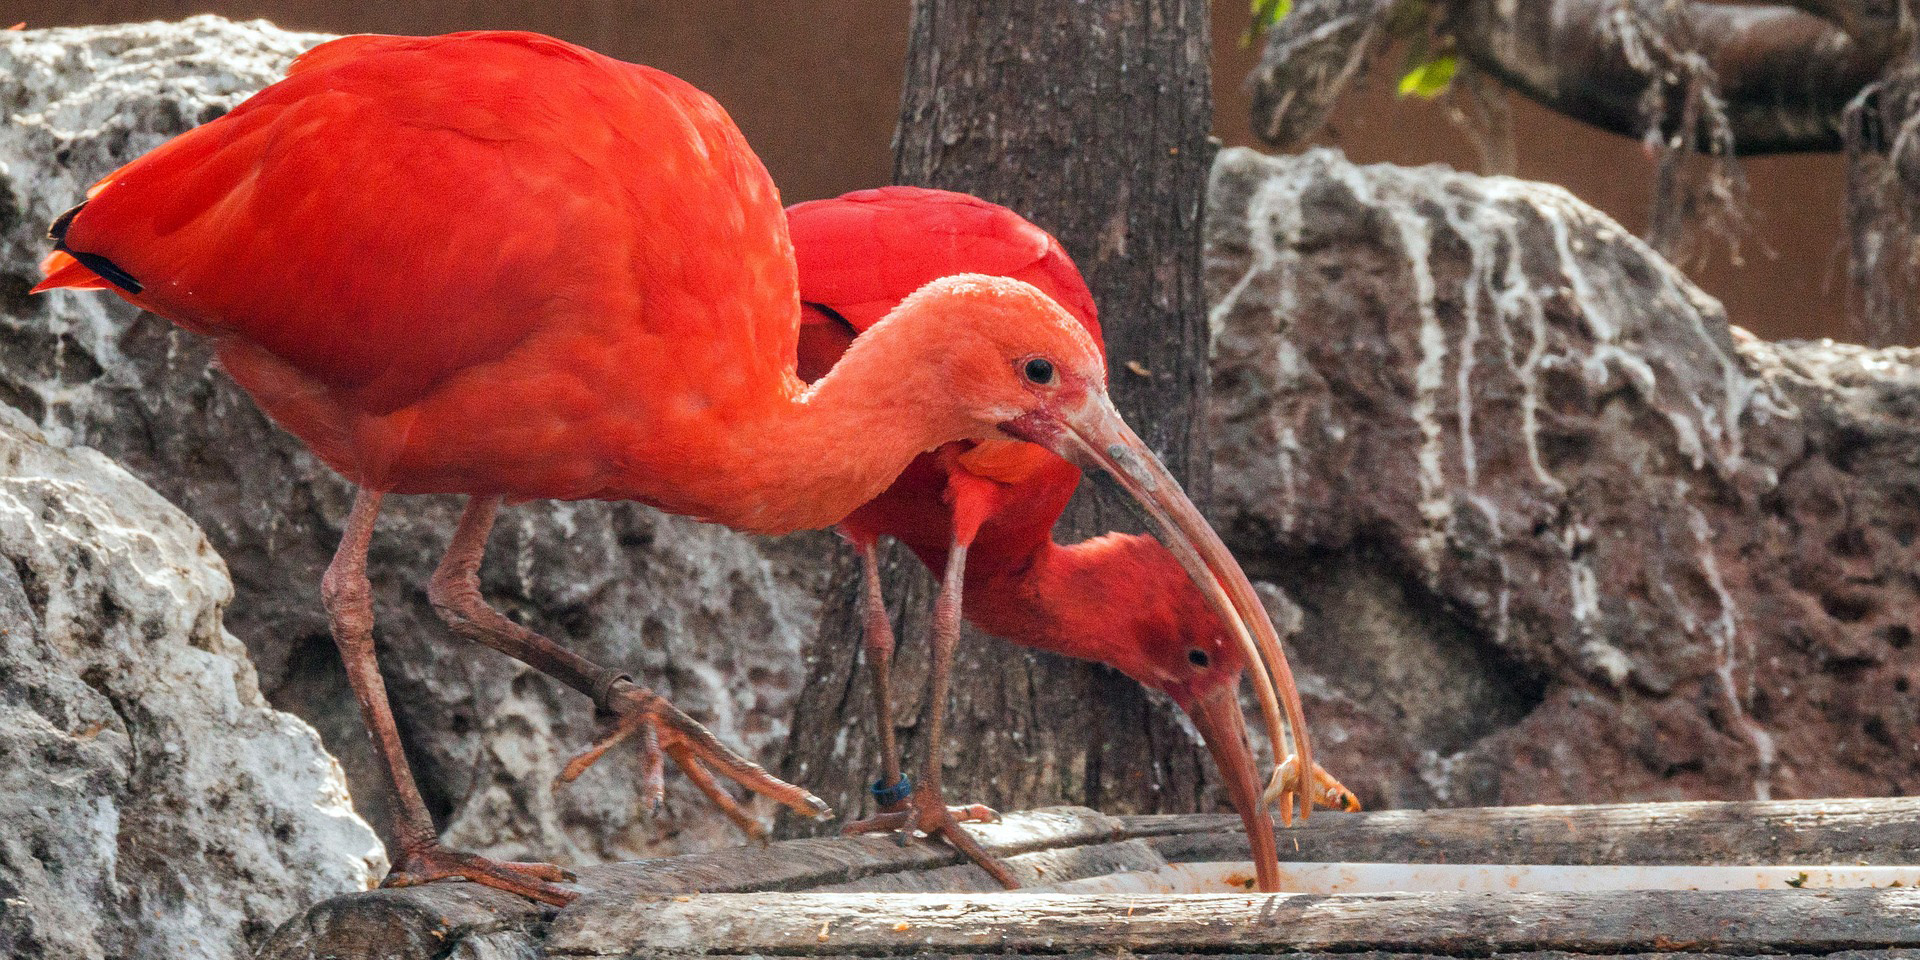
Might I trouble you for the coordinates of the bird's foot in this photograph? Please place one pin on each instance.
(431, 862)
(1325, 791)
(665, 732)
(926, 812)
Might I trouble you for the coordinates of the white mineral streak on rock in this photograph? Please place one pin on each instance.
(1480, 237)
(1272, 218)
(1658, 515)
(1438, 772)
(1724, 630)
(1287, 453)
(1416, 239)
(1503, 602)
(1521, 298)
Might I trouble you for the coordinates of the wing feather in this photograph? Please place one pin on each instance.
(400, 208)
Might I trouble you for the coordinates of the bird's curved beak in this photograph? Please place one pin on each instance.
(1093, 436)
(1216, 714)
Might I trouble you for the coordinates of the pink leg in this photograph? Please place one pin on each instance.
(455, 592)
(878, 636)
(417, 854)
(927, 810)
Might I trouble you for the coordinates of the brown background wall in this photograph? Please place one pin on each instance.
(815, 86)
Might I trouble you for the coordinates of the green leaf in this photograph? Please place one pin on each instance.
(1266, 13)
(1431, 78)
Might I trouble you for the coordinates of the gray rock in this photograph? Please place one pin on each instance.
(1560, 534)
(712, 619)
(151, 803)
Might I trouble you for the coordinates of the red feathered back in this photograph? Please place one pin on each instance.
(863, 252)
(406, 220)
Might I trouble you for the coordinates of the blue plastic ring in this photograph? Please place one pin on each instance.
(892, 796)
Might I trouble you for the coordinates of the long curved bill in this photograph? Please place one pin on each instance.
(1216, 714)
(1094, 437)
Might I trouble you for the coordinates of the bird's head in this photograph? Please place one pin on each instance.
(1162, 632)
(1136, 609)
(1005, 351)
(1014, 362)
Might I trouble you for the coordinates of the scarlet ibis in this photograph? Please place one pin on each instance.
(501, 265)
(1120, 599)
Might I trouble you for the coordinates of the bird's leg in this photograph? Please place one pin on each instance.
(418, 856)
(891, 790)
(927, 810)
(665, 731)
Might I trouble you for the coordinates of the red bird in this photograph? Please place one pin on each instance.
(505, 266)
(1120, 599)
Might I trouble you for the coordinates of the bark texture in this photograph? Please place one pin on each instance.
(1685, 77)
(1561, 534)
(1780, 77)
(1091, 119)
(709, 618)
(1883, 201)
(1783, 76)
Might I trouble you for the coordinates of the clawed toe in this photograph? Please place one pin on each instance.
(1333, 794)
(974, 813)
(667, 732)
(901, 820)
(1326, 791)
(926, 813)
(534, 881)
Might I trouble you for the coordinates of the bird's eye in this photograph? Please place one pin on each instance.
(1198, 658)
(1040, 370)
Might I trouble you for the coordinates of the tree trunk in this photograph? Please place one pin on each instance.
(1091, 119)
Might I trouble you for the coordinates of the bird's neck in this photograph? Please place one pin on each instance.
(1080, 600)
(840, 442)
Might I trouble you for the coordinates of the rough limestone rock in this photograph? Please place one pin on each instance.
(151, 803)
(1559, 533)
(712, 619)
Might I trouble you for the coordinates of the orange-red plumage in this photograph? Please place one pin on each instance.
(501, 265)
(599, 299)
(1122, 600)
(859, 255)
(1119, 599)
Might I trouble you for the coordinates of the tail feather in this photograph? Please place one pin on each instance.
(77, 270)
(62, 271)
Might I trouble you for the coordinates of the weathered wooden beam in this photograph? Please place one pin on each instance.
(798, 885)
(1882, 831)
(416, 923)
(1448, 924)
(816, 862)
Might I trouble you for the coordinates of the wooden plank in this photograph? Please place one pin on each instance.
(424, 922)
(827, 954)
(1881, 831)
(1740, 922)
(819, 861)
(421, 922)
(1031, 869)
